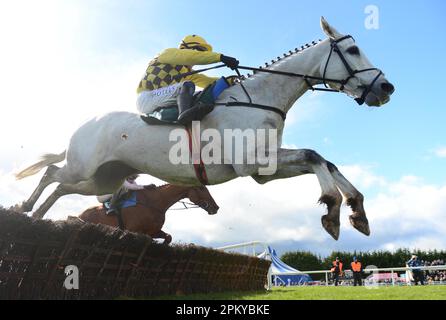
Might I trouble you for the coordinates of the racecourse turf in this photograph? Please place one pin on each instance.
(330, 293)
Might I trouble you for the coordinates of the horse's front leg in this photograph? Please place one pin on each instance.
(291, 163)
(354, 199)
(163, 235)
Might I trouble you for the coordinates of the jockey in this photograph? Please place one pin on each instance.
(161, 85)
(129, 185)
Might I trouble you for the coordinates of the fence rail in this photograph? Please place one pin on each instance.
(111, 263)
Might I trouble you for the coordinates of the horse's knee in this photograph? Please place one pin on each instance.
(312, 157)
(331, 167)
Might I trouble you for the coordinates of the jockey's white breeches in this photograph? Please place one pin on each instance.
(104, 198)
(148, 101)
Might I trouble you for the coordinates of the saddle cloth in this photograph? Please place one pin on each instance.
(129, 201)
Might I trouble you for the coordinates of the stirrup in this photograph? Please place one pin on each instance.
(187, 116)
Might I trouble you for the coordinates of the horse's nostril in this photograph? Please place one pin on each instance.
(387, 87)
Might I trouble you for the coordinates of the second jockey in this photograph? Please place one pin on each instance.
(162, 84)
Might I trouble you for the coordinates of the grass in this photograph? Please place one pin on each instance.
(329, 293)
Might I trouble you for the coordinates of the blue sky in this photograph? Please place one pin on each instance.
(82, 58)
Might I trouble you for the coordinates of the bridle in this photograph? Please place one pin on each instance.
(352, 73)
(343, 82)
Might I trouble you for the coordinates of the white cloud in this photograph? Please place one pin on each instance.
(51, 84)
(404, 213)
(285, 213)
(362, 177)
(440, 152)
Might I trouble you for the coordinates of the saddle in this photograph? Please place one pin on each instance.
(204, 100)
(129, 200)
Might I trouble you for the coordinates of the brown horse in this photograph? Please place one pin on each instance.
(149, 214)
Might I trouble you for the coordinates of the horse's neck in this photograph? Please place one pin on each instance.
(170, 195)
(282, 91)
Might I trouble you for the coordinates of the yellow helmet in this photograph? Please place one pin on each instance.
(195, 42)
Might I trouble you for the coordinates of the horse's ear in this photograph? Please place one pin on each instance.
(331, 32)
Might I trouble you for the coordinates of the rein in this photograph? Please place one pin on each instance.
(352, 73)
(187, 205)
(334, 48)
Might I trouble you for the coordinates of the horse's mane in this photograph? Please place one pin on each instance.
(286, 55)
(163, 186)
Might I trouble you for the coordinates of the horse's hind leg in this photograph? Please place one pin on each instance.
(47, 179)
(354, 199)
(87, 187)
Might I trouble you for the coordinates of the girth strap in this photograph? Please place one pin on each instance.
(200, 170)
(120, 220)
(253, 105)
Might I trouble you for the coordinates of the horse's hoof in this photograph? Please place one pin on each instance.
(17, 209)
(167, 239)
(21, 208)
(360, 223)
(37, 215)
(332, 227)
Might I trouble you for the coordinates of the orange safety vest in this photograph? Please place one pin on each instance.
(334, 266)
(356, 266)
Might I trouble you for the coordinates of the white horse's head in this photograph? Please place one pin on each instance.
(359, 78)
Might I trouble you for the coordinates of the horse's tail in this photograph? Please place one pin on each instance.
(45, 161)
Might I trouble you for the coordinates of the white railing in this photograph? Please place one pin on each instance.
(253, 244)
(366, 270)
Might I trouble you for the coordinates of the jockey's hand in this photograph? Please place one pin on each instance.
(232, 80)
(229, 61)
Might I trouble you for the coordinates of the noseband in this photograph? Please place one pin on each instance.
(352, 73)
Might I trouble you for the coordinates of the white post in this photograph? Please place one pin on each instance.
(270, 279)
(326, 278)
(393, 279)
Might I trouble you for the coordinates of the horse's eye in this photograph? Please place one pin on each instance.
(353, 50)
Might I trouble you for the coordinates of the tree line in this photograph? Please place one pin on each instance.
(307, 261)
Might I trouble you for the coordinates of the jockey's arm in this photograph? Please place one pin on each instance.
(188, 57)
(201, 80)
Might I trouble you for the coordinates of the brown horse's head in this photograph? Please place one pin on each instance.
(202, 198)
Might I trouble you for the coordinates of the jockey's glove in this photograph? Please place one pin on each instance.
(232, 80)
(229, 61)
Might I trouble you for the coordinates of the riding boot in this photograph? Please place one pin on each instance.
(114, 201)
(185, 101)
(112, 206)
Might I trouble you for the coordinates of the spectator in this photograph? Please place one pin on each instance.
(418, 275)
(357, 272)
(336, 271)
